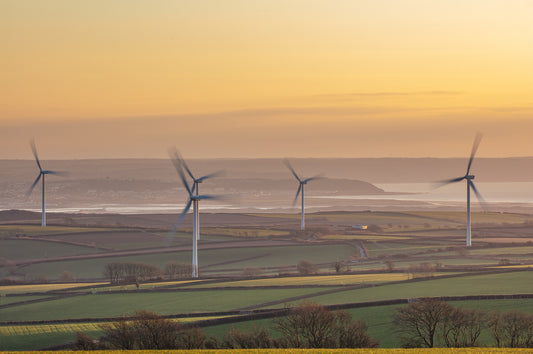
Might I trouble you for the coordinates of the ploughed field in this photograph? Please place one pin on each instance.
(54, 283)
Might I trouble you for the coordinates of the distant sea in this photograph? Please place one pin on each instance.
(449, 195)
(492, 192)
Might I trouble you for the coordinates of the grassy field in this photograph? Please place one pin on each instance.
(4, 300)
(18, 250)
(209, 260)
(405, 239)
(378, 320)
(112, 305)
(493, 284)
(39, 288)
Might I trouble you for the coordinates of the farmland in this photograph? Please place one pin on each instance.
(250, 262)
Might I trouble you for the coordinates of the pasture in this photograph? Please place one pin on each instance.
(372, 265)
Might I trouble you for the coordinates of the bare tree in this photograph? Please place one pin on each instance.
(145, 330)
(191, 338)
(252, 272)
(310, 325)
(425, 269)
(175, 270)
(66, 276)
(511, 329)
(353, 334)
(417, 322)
(462, 327)
(257, 337)
(306, 267)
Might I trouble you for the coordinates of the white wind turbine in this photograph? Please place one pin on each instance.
(193, 200)
(41, 176)
(302, 183)
(196, 183)
(469, 184)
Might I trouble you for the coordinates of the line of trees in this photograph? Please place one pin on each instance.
(430, 322)
(307, 326)
(118, 272)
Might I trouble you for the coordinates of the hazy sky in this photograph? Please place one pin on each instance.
(245, 78)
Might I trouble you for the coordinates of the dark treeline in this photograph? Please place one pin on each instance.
(306, 326)
(427, 323)
(118, 273)
(423, 323)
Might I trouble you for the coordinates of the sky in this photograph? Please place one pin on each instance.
(265, 78)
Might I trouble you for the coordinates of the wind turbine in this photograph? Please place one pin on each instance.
(302, 183)
(192, 200)
(196, 182)
(41, 176)
(469, 184)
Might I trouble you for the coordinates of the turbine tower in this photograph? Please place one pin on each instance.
(196, 182)
(469, 184)
(193, 200)
(41, 176)
(302, 183)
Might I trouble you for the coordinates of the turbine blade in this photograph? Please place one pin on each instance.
(174, 157)
(288, 164)
(34, 150)
(184, 181)
(211, 175)
(33, 185)
(56, 173)
(477, 140)
(182, 216)
(297, 194)
(206, 197)
(178, 165)
(184, 164)
(320, 176)
(478, 195)
(439, 184)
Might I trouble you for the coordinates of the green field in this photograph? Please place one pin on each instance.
(492, 284)
(210, 260)
(405, 239)
(113, 305)
(17, 250)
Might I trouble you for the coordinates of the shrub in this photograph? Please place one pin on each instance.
(252, 272)
(306, 267)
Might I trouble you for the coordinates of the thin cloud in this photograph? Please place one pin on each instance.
(392, 93)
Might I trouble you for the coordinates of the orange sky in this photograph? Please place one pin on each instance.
(301, 78)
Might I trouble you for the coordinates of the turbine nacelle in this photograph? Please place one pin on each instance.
(470, 177)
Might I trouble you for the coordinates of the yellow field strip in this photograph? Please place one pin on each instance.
(148, 285)
(314, 280)
(34, 230)
(364, 237)
(25, 330)
(18, 289)
(315, 351)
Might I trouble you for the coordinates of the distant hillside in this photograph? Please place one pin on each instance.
(372, 170)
